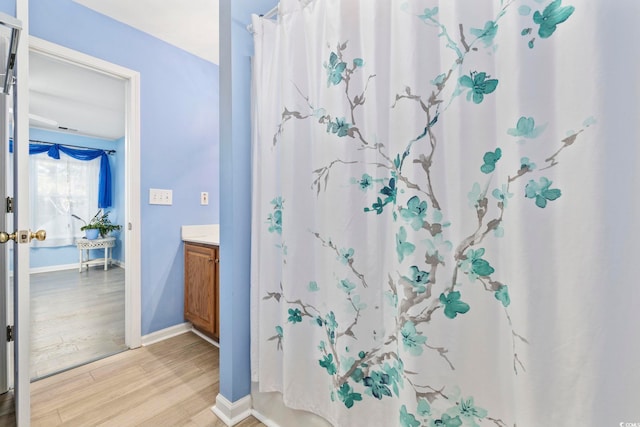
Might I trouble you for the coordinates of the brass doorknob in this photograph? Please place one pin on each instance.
(5, 237)
(38, 235)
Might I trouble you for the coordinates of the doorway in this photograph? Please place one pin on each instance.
(82, 313)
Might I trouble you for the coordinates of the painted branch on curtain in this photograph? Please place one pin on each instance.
(420, 223)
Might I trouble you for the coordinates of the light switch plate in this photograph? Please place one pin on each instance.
(204, 198)
(160, 197)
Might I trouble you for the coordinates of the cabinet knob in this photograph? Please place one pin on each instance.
(217, 260)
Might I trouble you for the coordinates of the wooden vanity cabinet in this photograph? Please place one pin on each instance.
(201, 293)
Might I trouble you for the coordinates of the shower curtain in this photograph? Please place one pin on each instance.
(444, 212)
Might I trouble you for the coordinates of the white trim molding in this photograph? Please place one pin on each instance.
(264, 419)
(131, 79)
(206, 338)
(166, 333)
(231, 413)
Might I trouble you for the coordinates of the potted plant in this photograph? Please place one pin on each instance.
(100, 225)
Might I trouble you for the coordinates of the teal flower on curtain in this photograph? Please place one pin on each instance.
(346, 285)
(377, 385)
(526, 128)
(313, 286)
(474, 265)
(502, 194)
(486, 34)
(327, 363)
(403, 248)
(365, 182)
(277, 202)
(429, 14)
(295, 316)
(340, 127)
(334, 68)
(348, 396)
(419, 279)
(390, 192)
(480, 85)
(407, 419)
(553, 15)
(424, 409)
(452, 304)
(541, 192)
(414, 212)
(502, 295)
(475, 195)
(275, 222)
(524, 10)
(447, 421)
(395, 375)
(279, 331)
(527, 164)
(358, 62)
(437, 246)
(468, 412)
(331, 325)
(355, 304)
(275, 219)
(439, 79)
(346, 255)
(378, 206)
(490, 159)
(412, 340)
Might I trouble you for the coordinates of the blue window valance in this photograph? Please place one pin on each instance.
(104, 182)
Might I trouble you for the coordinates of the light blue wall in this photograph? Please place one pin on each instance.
(8, 7)
(236, 48)
(179, 138)
(173, 110)
(45, 257)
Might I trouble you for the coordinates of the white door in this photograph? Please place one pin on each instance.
(5, 248)
(14, 257)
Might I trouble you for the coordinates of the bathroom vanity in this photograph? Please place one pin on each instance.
(201, 277)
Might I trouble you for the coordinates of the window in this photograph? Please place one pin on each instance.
(60, 188)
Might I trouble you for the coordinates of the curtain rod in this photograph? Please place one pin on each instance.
(270, 14)
(273, 12)
(71, 146)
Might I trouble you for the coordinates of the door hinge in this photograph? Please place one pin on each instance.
(9, 204)
(9, 333)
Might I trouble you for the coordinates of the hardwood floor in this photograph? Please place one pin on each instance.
(75, 318)
(170, 383)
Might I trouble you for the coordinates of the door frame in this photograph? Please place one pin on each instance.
(131, 78)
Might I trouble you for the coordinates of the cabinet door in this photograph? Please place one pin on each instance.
(216, 292)
(199, 293)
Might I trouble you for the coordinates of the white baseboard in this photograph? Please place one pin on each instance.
(166, 333)
(204, 337)
(263, 419)
(231, 413)
(50, 268)
(62, 267)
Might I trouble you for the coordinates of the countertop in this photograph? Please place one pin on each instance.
(208, 234)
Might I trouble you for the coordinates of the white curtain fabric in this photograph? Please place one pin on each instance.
(444, 212)
(60, 188)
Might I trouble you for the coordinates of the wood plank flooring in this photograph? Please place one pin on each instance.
(75, 318)
(170, 383)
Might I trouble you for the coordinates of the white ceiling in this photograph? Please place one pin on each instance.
(62, 95)
(191, 25)
(91, 103)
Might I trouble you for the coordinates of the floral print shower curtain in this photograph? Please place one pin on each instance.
(433, 189)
